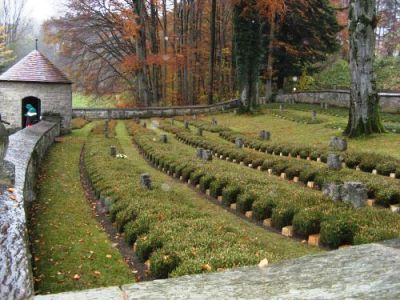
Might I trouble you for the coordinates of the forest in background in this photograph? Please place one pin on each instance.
(163, 52)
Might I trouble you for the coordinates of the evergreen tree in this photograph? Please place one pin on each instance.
(248, 49)
(306, 35)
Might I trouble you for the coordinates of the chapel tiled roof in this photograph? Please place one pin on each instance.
(35, 67)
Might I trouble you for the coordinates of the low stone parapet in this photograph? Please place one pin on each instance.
(26, 150)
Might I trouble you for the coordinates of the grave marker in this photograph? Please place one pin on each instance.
(145, 180)
(113, 151)
(337, 143)
(164, 138)
(239, 142)
(265, 135)
(334, 162)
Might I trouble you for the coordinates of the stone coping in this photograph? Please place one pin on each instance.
(360, 272)
(25, 151)
(160, 107)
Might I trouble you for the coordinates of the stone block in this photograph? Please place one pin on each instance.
(310, 184)
(355, 193)
(314, 240)
(371, 202)
(259, 168)
(287, 231)
(392, 175)
(198, 186)
(319, 159)
(250, 165)
(296, 179)
(338, 144)
(249, 214)
(313, 115)
(334, 162)
(219, 199)
(186, 124)
(267, 222)
(269, 171)
(233, 206)
(283, 175)
(374, 172)
(395, 208)
(332, 191)
(208, 192)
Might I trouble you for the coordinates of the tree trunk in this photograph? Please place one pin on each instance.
(212, 52)
(364, 116)
(268, 86)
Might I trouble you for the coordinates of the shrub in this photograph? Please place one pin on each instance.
(230, 193)
(216, 187)
(304, 153)
(368, 162)
(283, 215)
(385, 168)
(267, 164)
(245, 202)
(78, 123)
(387, 196)
(338, 229)
(292, 171)
(307, 174)
(262, 208)
(134, 229)
(280, 167)
(146, 245)
(257, 162)
(186, 173)
(353, 160)
(124, 216)
(162, 263)
(205, 182)
(196, 176)
(308, 221)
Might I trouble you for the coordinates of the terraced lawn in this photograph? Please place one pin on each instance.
(313, 135)
(70, 249)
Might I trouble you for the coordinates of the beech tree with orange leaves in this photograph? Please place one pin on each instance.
(177, 52)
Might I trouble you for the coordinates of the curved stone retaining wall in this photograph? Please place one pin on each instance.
(25, 152)
(128, 113)
(389, 102)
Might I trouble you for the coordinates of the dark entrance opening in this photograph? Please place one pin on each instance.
(35, 102)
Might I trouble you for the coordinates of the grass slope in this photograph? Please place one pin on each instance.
(66, 238)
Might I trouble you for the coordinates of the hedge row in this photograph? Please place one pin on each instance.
(295, 117)
(385, 190)
(269, 197)
(177, 235)
(365, 161)
(390, 120)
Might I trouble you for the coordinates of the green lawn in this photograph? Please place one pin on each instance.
(66, 238)
(83, 101)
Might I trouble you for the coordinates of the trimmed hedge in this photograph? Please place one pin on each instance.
(383, 188)
(176, 234)
(287, 204)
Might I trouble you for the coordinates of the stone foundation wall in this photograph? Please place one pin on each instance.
(389, 102)
(54, 97)
(25, 152)
(101, 113)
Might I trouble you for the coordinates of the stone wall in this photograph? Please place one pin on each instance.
(100, 113)
(26, 150)
(54, 97)
(389, 102)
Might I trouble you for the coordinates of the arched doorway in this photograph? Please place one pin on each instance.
(35, 102)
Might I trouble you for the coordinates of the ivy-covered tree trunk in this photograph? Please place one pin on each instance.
(364, 116)
(248, 50)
